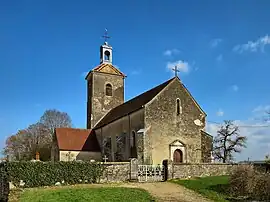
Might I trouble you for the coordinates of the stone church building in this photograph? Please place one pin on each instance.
(163, 123)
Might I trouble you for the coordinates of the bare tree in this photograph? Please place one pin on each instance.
(37, 137)
(227, 142)
(52, 119)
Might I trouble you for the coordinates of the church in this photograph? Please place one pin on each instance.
(163, 123)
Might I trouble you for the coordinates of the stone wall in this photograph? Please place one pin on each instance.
(167, 126)
(178, 171)
(79, 155)
(125, 125)
(98, 104)
(116, 172)
(206, 147)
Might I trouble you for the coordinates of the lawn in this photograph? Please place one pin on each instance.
(84, 194)
(214, 187)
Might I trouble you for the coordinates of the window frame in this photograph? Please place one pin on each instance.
(108, 85)
(178, 107)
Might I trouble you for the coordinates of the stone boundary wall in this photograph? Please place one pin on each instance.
(115, 172)
(178, 171)
(128, 171)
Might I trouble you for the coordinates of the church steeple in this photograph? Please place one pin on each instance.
(105, 86)
(106, 50)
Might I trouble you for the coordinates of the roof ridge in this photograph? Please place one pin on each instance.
(132, 99)
(67, 128)
(135, 104)
(148, 91)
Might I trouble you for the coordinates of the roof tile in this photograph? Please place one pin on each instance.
(73, 139)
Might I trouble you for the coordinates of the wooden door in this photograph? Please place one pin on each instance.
(178, 156)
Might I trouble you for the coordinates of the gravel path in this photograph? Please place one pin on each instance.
(166, 191)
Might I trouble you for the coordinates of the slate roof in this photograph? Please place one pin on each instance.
(132, 105)
(73, 139)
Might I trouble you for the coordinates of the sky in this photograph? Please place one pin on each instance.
(222, 49)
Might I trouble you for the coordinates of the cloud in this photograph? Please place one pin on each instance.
(219, 58)
(258, 138)
(235, 88)
(171, 52)
(261, 109)
(220, 112)
(261, 113)
(182, 66)
(215, 42)
(253, 46)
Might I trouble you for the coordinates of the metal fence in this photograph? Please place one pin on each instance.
(4, 185)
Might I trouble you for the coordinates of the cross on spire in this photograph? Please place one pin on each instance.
(106, 36)
(175, 70)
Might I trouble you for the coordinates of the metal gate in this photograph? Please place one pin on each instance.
(151, 173)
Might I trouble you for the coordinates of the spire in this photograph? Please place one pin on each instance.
(106, 36)
(106, 50)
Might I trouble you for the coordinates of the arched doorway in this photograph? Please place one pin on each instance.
(178, 156)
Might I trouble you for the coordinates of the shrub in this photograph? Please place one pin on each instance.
(245, 181)
(35, 174)
(240, 181)
(261, 186)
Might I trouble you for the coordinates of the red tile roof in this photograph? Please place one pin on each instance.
(73, 139)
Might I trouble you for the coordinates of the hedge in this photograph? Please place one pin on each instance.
(4, 185)
(35, 174)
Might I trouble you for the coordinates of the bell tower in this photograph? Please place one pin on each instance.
(105, 53)
(106, 50)
(105, 86)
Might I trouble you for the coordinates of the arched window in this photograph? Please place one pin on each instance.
(108, 90)
(107, 55)
(178, 107)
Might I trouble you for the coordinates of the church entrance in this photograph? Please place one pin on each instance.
(178, 156)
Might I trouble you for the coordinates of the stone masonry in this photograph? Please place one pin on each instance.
(166, 126)
(98, 104)
(178, 171)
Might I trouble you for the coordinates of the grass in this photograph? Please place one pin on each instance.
(84, 194)
(214, 187)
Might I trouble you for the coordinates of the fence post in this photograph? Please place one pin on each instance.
(134, 169)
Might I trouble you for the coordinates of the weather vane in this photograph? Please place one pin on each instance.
(106, 36)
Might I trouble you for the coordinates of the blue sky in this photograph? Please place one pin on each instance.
(221, 47)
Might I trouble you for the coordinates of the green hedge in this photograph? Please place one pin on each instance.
(35, 174)
(4, 186)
